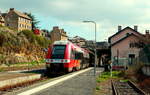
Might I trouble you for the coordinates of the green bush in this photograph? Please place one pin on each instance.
(134, 69)
(29, 35)
(41, 41)
(98, 88)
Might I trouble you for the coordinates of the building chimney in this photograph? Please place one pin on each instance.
(147, 35)
(119, 28)
(147, 32)
(11, 9)
(136, 28)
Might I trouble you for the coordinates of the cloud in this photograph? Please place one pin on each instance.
(116, 11)
(70, 13)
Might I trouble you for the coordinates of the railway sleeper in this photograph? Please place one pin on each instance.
(126, 88)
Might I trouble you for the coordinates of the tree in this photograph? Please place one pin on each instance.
(35, 22)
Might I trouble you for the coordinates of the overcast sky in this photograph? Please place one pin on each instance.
(69, 14)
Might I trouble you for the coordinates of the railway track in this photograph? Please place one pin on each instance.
(126, 88)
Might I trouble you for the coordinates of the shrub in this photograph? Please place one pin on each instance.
(41, 41)
(29, 35)
(2, 38)
(98, 88)
(135, 68)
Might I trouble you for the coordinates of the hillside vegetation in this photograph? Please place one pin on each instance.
(18, 47)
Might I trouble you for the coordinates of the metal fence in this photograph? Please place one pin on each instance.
(142, 60)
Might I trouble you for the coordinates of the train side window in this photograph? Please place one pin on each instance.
(78, 55)
(72, 54)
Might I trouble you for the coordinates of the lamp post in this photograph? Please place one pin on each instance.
(95, 44)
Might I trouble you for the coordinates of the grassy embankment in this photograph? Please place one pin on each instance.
(21, 49)
(23, 66)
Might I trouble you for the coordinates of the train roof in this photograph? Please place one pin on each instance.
(65, 42)
(62, 42)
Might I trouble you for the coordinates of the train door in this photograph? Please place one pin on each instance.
(78, 58)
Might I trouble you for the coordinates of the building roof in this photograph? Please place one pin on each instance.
(122, 31)
(124, 38)
(4, 14)
(20, 14)
(1, 19)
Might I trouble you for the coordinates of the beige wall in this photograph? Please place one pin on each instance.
(63, 37)
(16, 22)
(24, 24)
(11, 20)
(57, 35)
(124, 49)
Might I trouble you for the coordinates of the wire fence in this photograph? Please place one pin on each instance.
(142, 60)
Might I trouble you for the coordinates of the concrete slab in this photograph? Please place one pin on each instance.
(13, 78)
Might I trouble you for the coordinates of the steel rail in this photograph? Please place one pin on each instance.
(126, 88)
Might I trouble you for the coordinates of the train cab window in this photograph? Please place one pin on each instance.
(58, 51)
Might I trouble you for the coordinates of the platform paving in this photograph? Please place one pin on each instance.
(83, 84)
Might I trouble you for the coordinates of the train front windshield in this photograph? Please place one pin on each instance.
(58, 52)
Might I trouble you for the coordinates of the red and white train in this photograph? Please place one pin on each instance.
(66, 56)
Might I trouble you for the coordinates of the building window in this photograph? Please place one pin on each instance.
(131, 58)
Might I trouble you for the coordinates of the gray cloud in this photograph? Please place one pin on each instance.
(116, 11)
(108, 13)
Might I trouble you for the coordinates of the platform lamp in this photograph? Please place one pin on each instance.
(87, 21)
